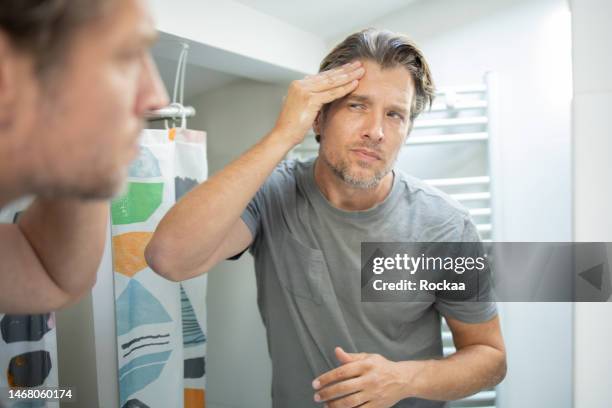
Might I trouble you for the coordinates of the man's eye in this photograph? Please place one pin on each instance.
(356, 105)
(396, 115)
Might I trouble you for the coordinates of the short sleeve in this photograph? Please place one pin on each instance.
(479, 306)
(252, 218)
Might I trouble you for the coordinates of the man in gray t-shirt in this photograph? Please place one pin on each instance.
(307, 261)
(304, 223)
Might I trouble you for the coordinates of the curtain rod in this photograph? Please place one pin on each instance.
(170, 112)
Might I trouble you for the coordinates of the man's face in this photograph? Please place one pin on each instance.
(83, 126)
(361, 134)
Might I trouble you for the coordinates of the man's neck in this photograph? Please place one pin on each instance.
(346, 197)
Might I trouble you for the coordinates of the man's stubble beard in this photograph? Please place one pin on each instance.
(341, 169)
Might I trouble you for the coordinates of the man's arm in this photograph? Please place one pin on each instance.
(49, 259)
(478, 363)
(204, 227)
(370, 379)
(205, 224)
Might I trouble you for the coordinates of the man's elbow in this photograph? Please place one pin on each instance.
(60, 298)
(160, 262)
(156, 260)
(77, 289)
(167, 258)
(501, 368)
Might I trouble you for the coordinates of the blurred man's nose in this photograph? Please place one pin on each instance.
(152, 92)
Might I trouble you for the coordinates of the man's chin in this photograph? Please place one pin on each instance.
(107, 188)
(364, 178)
(360, 180)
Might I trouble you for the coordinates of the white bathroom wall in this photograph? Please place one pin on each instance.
(238, 368)
(592, 148)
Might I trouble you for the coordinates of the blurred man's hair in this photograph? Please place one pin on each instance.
(45, 28)
(387, 49)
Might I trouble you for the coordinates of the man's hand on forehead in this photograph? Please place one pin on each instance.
(334, 77)
(307, 96)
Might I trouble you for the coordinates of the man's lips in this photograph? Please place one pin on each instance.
(367, 154)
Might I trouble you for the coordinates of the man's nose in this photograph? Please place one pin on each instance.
(374, 127)
(152, 92)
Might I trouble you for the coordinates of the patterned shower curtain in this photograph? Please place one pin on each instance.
(28, 346)
(161, 339)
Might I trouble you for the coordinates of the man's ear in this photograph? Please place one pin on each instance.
(317, 124)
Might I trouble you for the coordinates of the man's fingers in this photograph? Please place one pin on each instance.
(369, 404)
(346, 68)
(340, 389)
(353, 400)
(337, 93)
(341, 373)
(342, 355)
(345, 357)
(332, 79)
(305, 98)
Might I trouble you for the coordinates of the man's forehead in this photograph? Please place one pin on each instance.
(394, 83)
(144, 26)
(131, 22)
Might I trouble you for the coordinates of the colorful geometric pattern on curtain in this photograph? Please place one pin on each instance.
(28, 344)
(161, 325)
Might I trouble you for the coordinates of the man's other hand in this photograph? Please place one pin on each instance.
(363, 380)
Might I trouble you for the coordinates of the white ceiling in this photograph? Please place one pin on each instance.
(327, 18)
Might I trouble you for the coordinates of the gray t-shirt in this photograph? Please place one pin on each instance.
(307, 261)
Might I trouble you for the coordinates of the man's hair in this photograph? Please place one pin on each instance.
(44, 28)
(387, 49)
